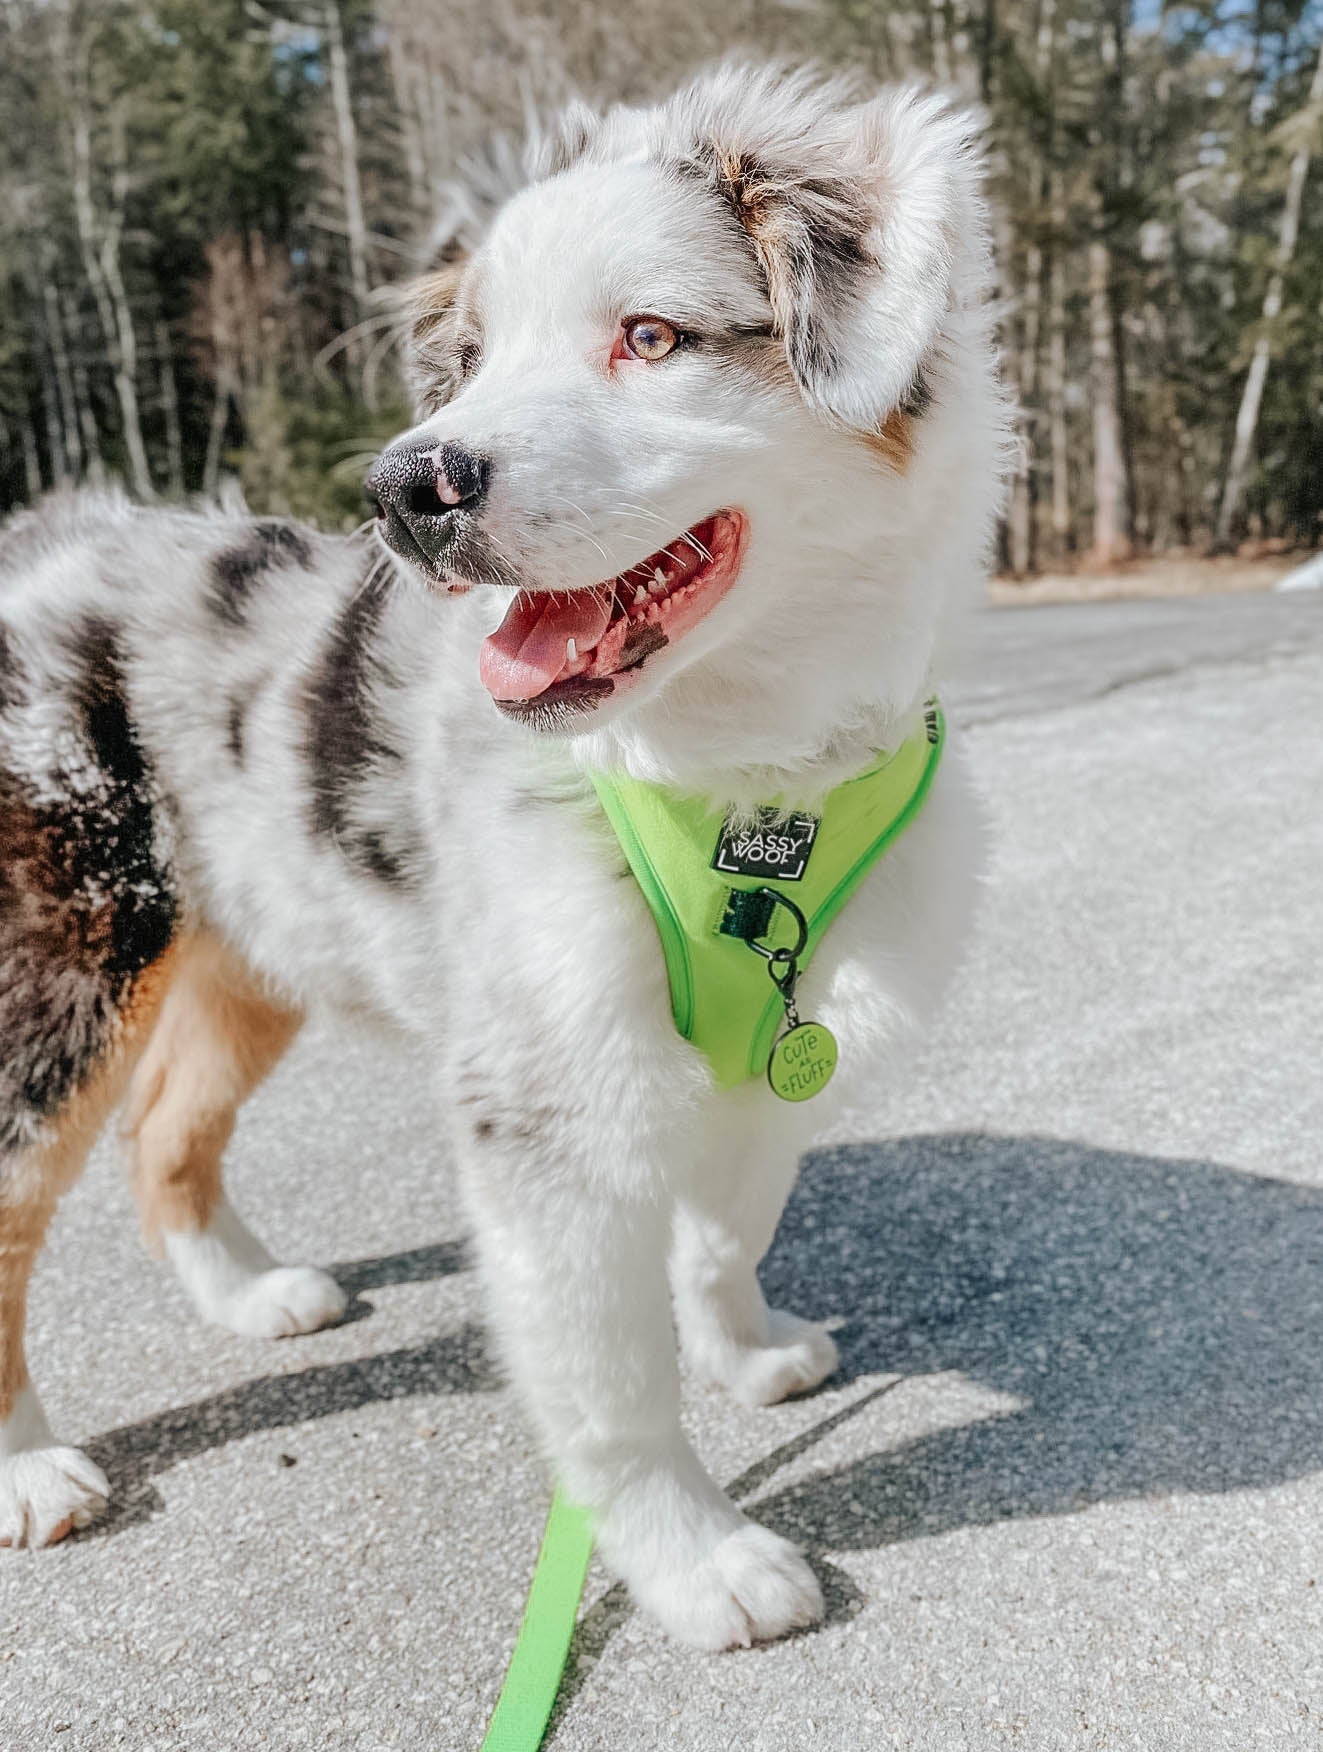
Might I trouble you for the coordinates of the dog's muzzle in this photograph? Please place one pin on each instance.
(419, 495)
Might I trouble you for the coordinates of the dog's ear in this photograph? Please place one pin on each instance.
(433, 348)
(857, 214)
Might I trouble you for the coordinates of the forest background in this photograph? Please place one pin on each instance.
(207, 208)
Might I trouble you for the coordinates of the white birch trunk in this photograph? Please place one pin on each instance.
(1251, 401)
(100, 250)
(1056, 385)
(347, 139)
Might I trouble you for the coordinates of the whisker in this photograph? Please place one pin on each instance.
(370, 325)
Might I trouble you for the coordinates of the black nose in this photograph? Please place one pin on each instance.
(421, 489)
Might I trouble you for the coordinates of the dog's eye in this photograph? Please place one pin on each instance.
(648, 337)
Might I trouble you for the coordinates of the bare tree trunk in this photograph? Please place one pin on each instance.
(347, 136)
(174, 444)
(100, 248)
(1109, 484)
(44, 353)
(941, 49)
(1021, 512)
(220, 419)
(73, 442)
(1056, 385)
(1247, 418)
(126, 354)
(87, 426)
(31, 459)
(1111, 488)
(50, 404)
(404, 77)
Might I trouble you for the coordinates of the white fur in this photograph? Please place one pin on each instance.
(45, 1489)
(234, 1282)
(591, 1142)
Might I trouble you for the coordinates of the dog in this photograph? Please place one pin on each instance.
(709, 451)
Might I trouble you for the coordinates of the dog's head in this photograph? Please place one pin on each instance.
(673, 394)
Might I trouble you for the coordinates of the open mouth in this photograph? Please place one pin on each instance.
(563, 651)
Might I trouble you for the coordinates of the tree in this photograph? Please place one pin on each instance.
(1305, 130)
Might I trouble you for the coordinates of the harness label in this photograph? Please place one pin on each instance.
(775, 846)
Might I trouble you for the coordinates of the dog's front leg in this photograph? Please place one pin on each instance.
(724, 1223)
(575, 1268)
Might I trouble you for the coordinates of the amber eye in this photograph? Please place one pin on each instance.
(648, 337)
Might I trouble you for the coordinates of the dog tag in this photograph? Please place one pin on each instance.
(803, 1058)
(802, 1062)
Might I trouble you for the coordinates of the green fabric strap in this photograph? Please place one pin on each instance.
(533, 1676)
(721, 996)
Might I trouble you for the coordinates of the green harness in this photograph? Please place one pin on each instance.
(695, 866)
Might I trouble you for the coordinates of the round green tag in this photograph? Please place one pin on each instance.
(802, 1062)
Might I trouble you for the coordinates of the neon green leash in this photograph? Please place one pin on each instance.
(533, 1677)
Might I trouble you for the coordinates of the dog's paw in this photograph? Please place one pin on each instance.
(797, 1356)
(46, 1492)
(752, 1586)
(279, 1303)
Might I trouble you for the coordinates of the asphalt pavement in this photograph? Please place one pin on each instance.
(1067, 1490)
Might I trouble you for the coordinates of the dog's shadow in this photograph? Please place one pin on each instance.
(1156, 1325)
(455, 1362)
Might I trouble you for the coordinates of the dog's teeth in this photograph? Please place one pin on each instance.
(658, 576)
(640, 595)
(571, 651)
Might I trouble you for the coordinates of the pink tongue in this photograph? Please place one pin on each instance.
(526, 653)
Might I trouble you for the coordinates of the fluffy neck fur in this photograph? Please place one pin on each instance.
(847, 611)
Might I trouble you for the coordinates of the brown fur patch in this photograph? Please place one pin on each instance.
(431, 298)
(35, 1180)
(217, 1037)
(893, 441)
(444, 343)
(86, 905)
(807, 229)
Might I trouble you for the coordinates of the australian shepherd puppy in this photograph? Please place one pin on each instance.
(708, 454)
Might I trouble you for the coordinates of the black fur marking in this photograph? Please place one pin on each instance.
(369, 850)
(237, 714)
(640, 643)
(143, 902)
(345, 742)
(554, 709)
(11, 671)
(235, 720)
(85, 903)
(918, 398)
(236, 570)
(807, 233)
